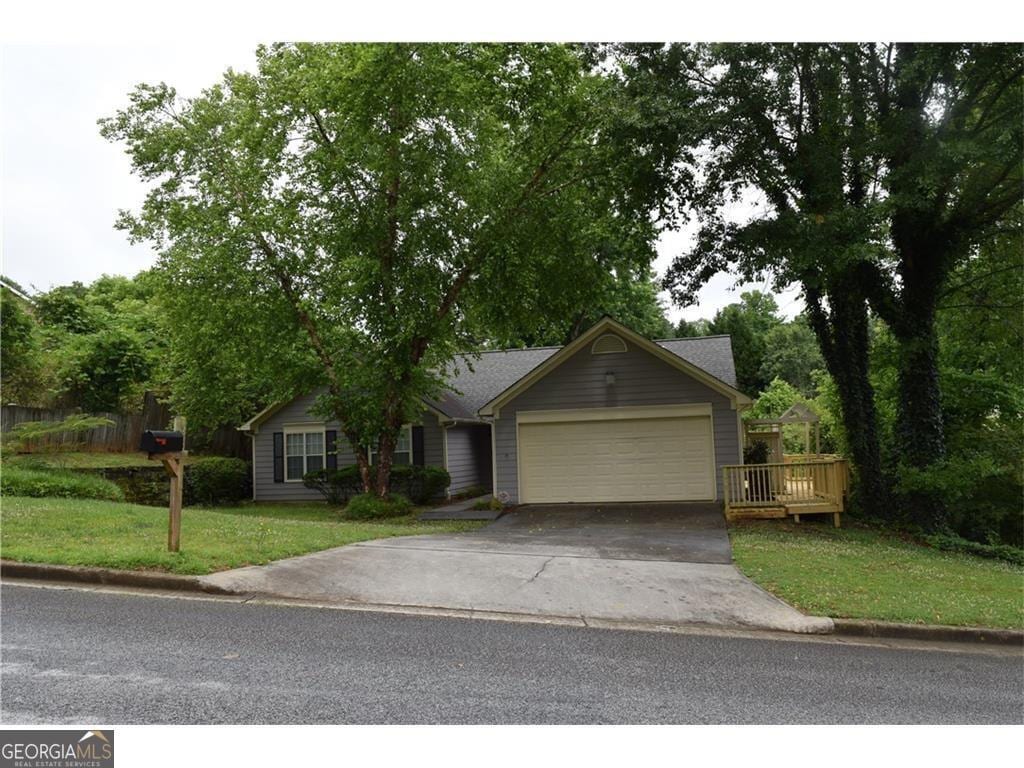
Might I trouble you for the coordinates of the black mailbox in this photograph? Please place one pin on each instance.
(155, 441)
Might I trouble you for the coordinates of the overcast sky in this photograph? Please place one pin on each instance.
(62, 184)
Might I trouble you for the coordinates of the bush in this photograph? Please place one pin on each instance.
(757, 452)
(367, 506)
(18, 481)
(963, 546)
(217, 480)
(421, 484)
(336, 485)
(492, 504)
(470, 493)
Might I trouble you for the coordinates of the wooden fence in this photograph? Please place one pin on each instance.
(123, 434)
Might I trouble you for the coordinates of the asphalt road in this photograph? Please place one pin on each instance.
(104, 657)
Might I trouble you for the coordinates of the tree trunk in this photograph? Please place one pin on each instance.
(920, 431)
(843, 336)
(385, 458)
(363, 463)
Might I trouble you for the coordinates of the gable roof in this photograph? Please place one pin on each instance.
(675, 352)
(477, 380)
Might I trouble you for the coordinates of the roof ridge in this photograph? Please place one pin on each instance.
(509, 349)
(696, 338)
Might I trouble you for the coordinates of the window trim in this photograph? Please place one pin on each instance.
(405, 427)
(304, 429)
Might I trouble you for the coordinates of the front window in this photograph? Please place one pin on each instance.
(303, 453)
(403, 447)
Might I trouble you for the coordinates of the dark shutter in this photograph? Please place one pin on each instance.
(279, 457)
(417, 446)
(331, 446)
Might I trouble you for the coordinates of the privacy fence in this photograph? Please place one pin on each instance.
(124, 432)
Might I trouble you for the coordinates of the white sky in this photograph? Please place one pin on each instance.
(61, 184)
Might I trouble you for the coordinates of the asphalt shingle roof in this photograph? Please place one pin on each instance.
(478, 380)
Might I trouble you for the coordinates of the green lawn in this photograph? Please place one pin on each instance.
(868, 574)
(86, 460)
(130, 536)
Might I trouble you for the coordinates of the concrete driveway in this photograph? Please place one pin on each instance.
(664, 564)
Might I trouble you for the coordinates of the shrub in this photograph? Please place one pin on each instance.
(492, 504)
(367, 506)
(217, 480)
(18, 481)
(336, 485)
(470, 493)
(419, 483)
(756, 453)
(996, 551)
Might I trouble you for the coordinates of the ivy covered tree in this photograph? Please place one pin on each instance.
(865, 159)
(353, 216)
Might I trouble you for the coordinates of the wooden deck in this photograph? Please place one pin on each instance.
(791, 488)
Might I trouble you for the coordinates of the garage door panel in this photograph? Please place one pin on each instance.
(663, 459)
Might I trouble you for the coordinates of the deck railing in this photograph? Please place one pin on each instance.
(786, 484)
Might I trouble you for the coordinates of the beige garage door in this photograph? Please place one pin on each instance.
(634, 459)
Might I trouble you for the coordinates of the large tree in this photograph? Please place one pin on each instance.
(865, 160)
(948, 137)
(353, 216)
(748, 322)
(773, 121)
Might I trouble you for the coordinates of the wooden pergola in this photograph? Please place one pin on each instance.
(798, 413)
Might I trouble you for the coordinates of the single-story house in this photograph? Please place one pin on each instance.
(611, 416)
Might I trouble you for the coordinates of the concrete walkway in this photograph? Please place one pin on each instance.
(532, 562)
(461, 510)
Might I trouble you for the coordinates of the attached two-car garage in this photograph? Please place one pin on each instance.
(661, 453)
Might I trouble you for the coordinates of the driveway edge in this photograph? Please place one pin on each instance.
(176, 582)
(111, 576)
(932, 632)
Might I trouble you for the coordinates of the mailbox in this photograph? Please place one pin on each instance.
(155, 441)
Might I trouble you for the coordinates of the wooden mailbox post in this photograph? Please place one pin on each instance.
(169, 449)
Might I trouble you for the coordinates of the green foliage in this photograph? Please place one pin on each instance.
(355, 215)
(336, 485)
(756, 452)
(106, 370)
(217, 480)
(20, 351)
(470, 492)
(948, 543)
(421, 484)
(690, 328)
(491, 504)
(65, 307)
(21, 481)
(632, 299)
(98, 346)
(21, 434)
(791, 353)
(369, 506)
(748, 324)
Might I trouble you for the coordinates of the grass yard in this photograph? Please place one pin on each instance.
(864, 573)
(85, 460)
(134, 537)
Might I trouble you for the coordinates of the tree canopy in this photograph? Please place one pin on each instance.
(355, 215)
(865, 160)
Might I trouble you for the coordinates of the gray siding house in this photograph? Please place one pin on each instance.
(609, 417)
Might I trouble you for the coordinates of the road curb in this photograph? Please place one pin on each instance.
(175, 582)
(111, 576)
(930, 632)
